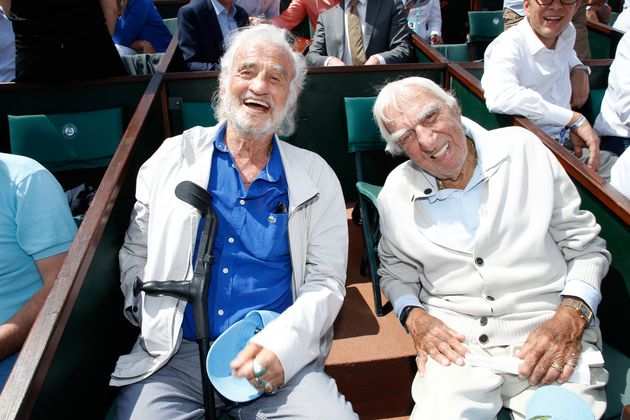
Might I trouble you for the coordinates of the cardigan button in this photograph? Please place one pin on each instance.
(483, 339)
(479, 261)
(428, 191)
(483, 321)
(490, 298)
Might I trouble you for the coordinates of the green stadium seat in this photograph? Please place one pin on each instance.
(197, 113)
(483, 27)
(60, 142)
(171, 25)
(613, 18)
(454, 52)
(364, 136)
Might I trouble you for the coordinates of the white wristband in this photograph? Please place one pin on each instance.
(579, 123)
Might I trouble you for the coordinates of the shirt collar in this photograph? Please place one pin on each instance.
(535, 45)
(360, 3)
(272, 172)
(489, 157)
(218, 8)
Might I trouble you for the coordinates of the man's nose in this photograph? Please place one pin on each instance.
(259, 84)
(425, 137)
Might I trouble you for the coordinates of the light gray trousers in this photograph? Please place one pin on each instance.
(174, 392)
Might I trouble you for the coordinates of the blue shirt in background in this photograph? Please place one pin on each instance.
(227, 21)
(141, 20)
(252, 266)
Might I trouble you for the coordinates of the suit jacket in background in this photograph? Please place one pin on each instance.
(200, 37)
(386, 30)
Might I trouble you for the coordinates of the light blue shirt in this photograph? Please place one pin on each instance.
(252, 266)
(35, 223)
(515, 5)
(227, 21)
(7, 49)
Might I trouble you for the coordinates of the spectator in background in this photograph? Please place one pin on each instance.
(202, 26)
(260, 8)
(137, 27)
(514, 12)
(7, 49)
(299, 9)
(380, 34)
(425, 18)
(620, 174)
(61, 41)
(36, 229)
(623, 20)
(532, 70)
(613, 122)
(598, 11)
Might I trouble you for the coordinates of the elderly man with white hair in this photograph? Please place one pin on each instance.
(281, 245)
(486, 257)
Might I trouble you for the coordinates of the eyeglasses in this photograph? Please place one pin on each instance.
(548, 2)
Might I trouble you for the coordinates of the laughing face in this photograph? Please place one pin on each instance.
(549, 21)
(431, 135)
(257, 90)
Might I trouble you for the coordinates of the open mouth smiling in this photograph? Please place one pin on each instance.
(440, 152)
(256, 104)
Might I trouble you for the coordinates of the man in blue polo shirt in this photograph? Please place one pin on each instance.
(281, 245)
(36, 229)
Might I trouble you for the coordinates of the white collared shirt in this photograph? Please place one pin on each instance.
(614, 118)
(425, 18)
(523, 77)
(623, 20)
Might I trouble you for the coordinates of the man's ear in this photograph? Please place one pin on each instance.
(526, 7)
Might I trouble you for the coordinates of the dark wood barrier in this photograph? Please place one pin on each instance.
(603, 40)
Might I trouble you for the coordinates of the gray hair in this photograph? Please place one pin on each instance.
(397, 96)
(270, 35)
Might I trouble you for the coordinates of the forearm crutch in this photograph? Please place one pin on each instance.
(195, 290)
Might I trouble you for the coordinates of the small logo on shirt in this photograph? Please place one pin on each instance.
(69, 131)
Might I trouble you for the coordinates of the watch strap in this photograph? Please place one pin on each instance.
(582, 308)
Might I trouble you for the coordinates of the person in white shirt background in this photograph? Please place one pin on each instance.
(532, 70)
(613, 122)
(424, 17)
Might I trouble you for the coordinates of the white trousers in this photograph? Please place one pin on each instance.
(475, 393)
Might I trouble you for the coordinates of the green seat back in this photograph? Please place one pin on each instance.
(171, 25)
(483, 27)
(454, 52)
(80, 140)
(618, 388)
(594, 104)
(197, 113)
(363, 133)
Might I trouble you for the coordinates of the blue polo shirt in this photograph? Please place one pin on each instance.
(252, 266)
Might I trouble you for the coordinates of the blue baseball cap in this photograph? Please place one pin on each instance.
(555, 403)
(224, 350)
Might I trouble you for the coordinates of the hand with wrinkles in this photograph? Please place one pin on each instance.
(431, 337)
(557, 340)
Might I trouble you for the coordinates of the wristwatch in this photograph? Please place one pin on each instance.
(404, 314)
(582, 308)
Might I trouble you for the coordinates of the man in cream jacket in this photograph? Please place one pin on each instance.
(281, 245)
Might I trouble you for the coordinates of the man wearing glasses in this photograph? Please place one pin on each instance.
(532, 70)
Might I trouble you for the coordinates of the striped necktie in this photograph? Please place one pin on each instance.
(355, 35)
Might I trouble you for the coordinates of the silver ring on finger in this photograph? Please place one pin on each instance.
(556, 365)
(269, 389)
(261, 383)
(258, 368)
(572, 364)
